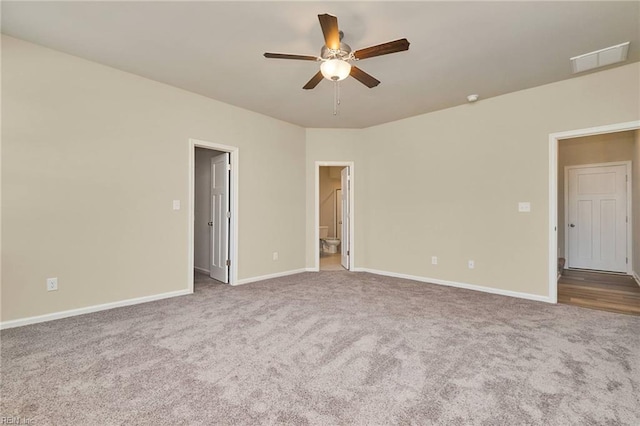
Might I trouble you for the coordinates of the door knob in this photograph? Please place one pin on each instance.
(572, 225)
(210, 223)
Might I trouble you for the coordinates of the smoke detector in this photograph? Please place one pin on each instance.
(472, 98)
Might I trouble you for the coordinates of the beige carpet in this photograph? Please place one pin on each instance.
(327, 348)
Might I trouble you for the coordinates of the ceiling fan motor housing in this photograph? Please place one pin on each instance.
(343, 53)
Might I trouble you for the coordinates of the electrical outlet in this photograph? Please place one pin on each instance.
(52, 284)
(472, 264)
(275, 255)
(434, 260)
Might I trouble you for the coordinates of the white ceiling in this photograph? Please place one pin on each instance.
(215, 49)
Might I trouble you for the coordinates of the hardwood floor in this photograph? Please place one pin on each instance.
(606, 292)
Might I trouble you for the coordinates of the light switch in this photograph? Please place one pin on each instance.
(176, 204)
(524, 207)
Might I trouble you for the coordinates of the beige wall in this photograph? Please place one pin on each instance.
(635, 186)
(329, 183)
(92, 158)
(84, 201)
(588, 150)
(448, 183)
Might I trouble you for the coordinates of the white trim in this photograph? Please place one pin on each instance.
(233, 189)
(316, 209)
(465, 286)
(636, 277)
(628, 172)
(203, 270)
(270, 276)
(312, 269)
(90, 309)
(566, 217)
(553, 191)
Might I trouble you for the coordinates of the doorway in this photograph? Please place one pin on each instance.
(211, 214)
(580, 153)
(213, 201)
(334, 226)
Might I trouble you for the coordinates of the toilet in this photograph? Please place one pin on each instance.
(328, 245)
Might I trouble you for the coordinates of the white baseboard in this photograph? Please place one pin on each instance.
(466, 286)
(204, 271)
(314, 269)
(89, 309)
(96, 308)
(636, 277)
(268, 277)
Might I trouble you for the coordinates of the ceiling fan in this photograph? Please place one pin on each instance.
(336, 56)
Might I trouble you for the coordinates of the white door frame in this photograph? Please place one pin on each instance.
(233, 193)
(316, 213)
(554, 138)
(630, 219)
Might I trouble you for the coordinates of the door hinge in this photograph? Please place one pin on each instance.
(348, 252)
(228, 215)
(228, 262)
(229, 167)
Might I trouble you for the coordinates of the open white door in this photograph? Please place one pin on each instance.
(345, 183)
(597, 218)
(339, 214)
(219, 225)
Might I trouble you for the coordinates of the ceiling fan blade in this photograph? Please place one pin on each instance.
(363, 77)
(329, 24)
(287, 56)
(382, 49)
(314, 81)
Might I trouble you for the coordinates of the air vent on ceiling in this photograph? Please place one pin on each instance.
(600, 58)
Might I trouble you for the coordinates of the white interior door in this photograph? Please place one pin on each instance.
(339, 214)
(345, 189)
(597, 218)
(219, 225)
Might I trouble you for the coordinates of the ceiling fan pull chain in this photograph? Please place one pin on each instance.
(335, 98)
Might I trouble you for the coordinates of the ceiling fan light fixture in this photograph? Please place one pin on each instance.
(335, 69)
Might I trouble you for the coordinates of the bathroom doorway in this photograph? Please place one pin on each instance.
(334, 216)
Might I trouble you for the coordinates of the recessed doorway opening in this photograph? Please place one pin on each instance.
(592, 182)
(213, 207)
